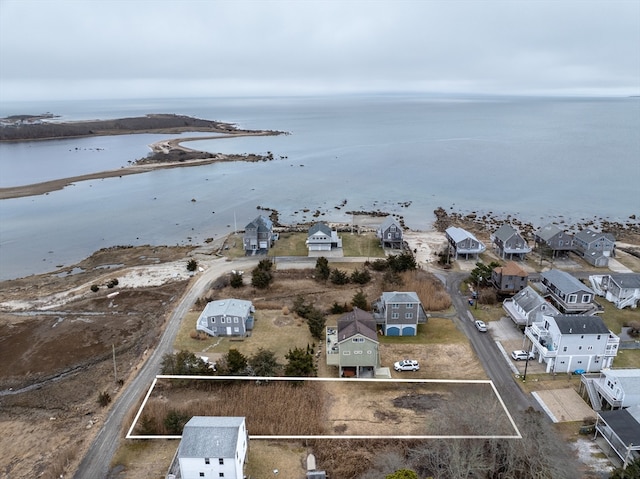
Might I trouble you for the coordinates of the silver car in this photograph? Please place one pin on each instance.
(406, 365)
(480, 326)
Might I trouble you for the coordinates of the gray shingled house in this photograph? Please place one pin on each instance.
(390, 233)
(226, 317)
(556, 240)
(508, 243)
(464, 243)
(567, 293)
(509, 279)
(398, 313)
(621, 289)
(213, 447)
(527, 307)
(595, 247)
(258, 236)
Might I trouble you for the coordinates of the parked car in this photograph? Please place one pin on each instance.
(521, 355)
(406, 365)
(480, 326)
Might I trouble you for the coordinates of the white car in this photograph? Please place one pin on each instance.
(521, 355)
(480, 326)
(406, 365)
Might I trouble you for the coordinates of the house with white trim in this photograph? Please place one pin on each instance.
(258, 236)
(572, 342)
(556, 240)
(464, 243)
(398, 313)
(213, 447)
(353, 345)
(527, 307)
(226, 317)
(595, 247)
(612, 388)
(322, 238)
(621, 289)
(390, 233)
(621, 430)
(509, 243)
(567, 293)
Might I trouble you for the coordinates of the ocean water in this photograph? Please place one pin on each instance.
(538, 159)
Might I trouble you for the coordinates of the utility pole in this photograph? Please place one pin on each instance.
(115, 372)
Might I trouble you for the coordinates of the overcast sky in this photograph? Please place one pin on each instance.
(52, 49)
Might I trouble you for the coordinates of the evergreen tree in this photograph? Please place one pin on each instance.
(264, 363)
(322, 271)
(359, 301)
(300, 363)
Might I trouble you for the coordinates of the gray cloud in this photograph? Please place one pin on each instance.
(66, 49)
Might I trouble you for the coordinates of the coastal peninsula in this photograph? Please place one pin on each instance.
(164, 154)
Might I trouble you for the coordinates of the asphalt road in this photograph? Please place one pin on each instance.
(97, 461)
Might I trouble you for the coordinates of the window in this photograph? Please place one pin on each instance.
(357, 352)
(408, 315)
(206, 460)
(235, 320)
(589, 348)
(564, 350)
(586, 298)
(221, 461)
(221, 474)
(202, 474)
(598, 337)
(346, 353)
(357, 340)
(579, 348)
(410, 306)
(573, 298)
(395, 315)
(236, 329)
(395, 306)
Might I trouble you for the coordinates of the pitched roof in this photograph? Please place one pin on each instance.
(624, 423)
(459, 234)
(511, 268)
(528, 299)
(260, 222)
(629, 379)
(626, 280)
(549, 231)
(357, 322)
(210, 436)
(320, 227)
(588, 235)
(564, 281)
(580, 324)
(388, 221)
(400, 297)
(228, 307)
(505, 232)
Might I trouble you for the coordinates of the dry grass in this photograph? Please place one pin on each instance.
(267, 407)
(364, 245)
(429, 289)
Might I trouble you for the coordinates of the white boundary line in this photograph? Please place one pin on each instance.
(517, 434)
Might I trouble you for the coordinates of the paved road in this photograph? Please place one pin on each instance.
(490, 356)
(95, 464)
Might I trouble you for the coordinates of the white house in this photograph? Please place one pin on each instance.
(226, 317)
(621, 289)
(213, 447)
(322, 238)
(569, 343)
(527, 307)
(613, 388)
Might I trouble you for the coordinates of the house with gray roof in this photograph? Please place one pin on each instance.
(322, 238)
(527, 307)
(621, 430)
(570, 343)
(464, 243)
(213, 447)
(258, 236)
(509, 244)
(595, 247)
(399, 313)
(353, 345)
(226, 317)
(567, 293)
(612, 388)
(554, 239)
(390, 233)
(621, 289)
